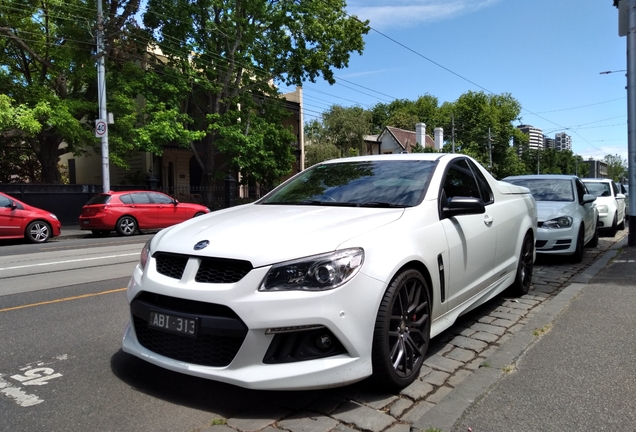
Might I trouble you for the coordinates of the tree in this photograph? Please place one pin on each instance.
(229, 53)
(47, 69)
(480, 117)
(616, 167)
(404, 114)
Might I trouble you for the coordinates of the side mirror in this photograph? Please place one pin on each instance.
(620, 196)
(458, 206)
(588, 198)
(175, 202)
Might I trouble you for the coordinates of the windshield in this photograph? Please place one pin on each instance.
(389, 183)
(547, 189)
(598, 189)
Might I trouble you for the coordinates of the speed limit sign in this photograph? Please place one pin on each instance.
(101, 128)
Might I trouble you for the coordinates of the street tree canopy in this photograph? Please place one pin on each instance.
(232, 55)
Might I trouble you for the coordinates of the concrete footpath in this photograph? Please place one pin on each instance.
(572, 367)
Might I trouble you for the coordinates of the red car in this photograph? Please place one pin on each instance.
(20, 220)
(129, 211)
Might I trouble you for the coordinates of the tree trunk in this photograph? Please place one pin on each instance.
(48, 155)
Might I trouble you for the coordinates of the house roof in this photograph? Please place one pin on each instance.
(405, 138)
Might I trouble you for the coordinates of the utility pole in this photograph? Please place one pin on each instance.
(453, 130)
(101, 126)
(631, 114)
(490, 150)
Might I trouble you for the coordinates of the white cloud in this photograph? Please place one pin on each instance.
(384, 14)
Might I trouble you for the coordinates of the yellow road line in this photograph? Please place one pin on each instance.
(63, 299)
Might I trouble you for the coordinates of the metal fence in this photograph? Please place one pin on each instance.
(66, 201)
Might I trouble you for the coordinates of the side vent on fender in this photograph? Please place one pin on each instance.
(442, 285)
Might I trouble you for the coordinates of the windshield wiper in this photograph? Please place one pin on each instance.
(382, 204)
(327, 203)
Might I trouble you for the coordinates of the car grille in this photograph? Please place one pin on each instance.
(221, 332)
(211, 270)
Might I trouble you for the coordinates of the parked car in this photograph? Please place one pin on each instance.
(130, 211)
(568, 218)
(20, 220)
(343, 272)
(610, 203)
(624, 189)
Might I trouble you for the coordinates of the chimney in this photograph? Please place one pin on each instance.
(420, 134)
(439, 138)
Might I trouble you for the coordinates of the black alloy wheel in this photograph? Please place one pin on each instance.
(126, 226)
(402, 331)
(38, 232)
(523, 279)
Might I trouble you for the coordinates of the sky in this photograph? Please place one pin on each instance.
(547, 54)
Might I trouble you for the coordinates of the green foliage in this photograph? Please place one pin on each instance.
(316, 153)
(47, 69)
(404, 114)
(616, 167)
(226, 54)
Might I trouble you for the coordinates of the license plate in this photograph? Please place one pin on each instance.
(86, 222)
(173, 323)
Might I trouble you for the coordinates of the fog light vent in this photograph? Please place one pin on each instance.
(294, 346)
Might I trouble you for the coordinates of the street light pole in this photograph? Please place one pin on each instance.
(631, 114)
(101, 97)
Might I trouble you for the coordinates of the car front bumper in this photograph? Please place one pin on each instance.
(348, 314)
(556, 241)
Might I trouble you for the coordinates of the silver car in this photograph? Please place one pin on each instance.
(568, 218)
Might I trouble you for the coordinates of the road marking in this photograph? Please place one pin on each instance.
(21, 398)
(63, 300)
(68, 261)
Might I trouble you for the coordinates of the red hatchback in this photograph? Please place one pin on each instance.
(129, 211)
(20, 220)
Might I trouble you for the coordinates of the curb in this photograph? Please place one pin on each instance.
(449, 410)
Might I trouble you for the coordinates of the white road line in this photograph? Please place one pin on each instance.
(21, 398)
(68, 261)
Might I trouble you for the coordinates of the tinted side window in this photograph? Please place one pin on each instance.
(126, 199)
(460, 181)
(4, 201)
(158, 198)
(140, 198)
(615, 188)
(580, 189)
(486, 192)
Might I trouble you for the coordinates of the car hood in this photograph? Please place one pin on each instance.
(267, 234)
(547, 210)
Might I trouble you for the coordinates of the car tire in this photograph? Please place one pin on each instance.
(101, 233)
(523, 279)
(402, 331)
(126, 226)
(612, 231)
(594, 241)
(38, 232)
(577, 256)
(198, 214)
(621, 226)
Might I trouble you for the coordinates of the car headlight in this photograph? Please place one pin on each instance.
(603, 208)
(145, 254)
(53, 216)
(556, 223)
(315, 273)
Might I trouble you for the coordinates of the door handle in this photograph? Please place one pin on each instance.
(488, 220)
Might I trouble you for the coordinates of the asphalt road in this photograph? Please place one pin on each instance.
(61, 366)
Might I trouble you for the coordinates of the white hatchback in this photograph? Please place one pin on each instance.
(343, 272)
(610, 203)
(568, 218)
